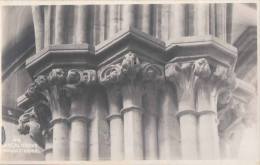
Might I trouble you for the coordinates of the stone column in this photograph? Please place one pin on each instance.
(152, 76)
(78, 82)
(37, 13)
(81, 24)
(59, 24)
(165, 22)
(48, 145)
(201, 19)
(128, 16)
(168, 125)
(145, 18)
(221, 21)
(182, 75)
(132, 108)
(51, 88)
(177, 23)
(110, 77)
(48, 20)
(210, 83)
(150, 125)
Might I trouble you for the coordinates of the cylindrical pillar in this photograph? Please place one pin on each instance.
(48, 145)
(168, 126)
(60, 139)
(47, 25)
(79, 121)
(59, 24)
(208, 135)
(188, 129)
(145, 18)
(37, 12)
(128, 16)
(182, 75)
(132, 111)
(116, 125)
(221, 21)
(150, 124)
(81, 24)
(177, 21)
(112, 21)
(201, 20)
(78, 138)
(165, 22)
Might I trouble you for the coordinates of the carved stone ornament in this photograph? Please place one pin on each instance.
(31, 91)
(151, 72)
(88, 77)
(57, 76)
(183, 76)
(110, 74)
(130, 66)
(201, 68)
(28, 124)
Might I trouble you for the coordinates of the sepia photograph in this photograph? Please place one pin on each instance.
(145, 82)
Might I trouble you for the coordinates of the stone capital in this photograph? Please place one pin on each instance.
(51, 88)
(79, 81)
(182, 74)
(212, 82)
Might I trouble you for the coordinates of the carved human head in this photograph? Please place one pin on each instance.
(57, 76)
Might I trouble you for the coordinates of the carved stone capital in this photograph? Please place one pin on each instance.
(182, 74)
(212, 82)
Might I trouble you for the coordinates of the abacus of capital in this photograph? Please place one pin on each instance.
(132, 96)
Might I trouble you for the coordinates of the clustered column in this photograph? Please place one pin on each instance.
(199, 83)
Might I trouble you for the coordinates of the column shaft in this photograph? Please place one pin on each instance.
(150, 134)
(168, 126)
(133, 138)
(128, 16)
(177, 20)
(208, 136)
(207, 120)
(150, 121)
(79, 125)
(116, 124)
(47, 25)
(59, 24)
(133, 132)
(201, 19)
(221, 21)
(116, 137)
(145, 17)
(81, 24)
(38, 23)
(78, 139)
(60, 139)
(165, 22)
(112, 20)
(188, 129)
